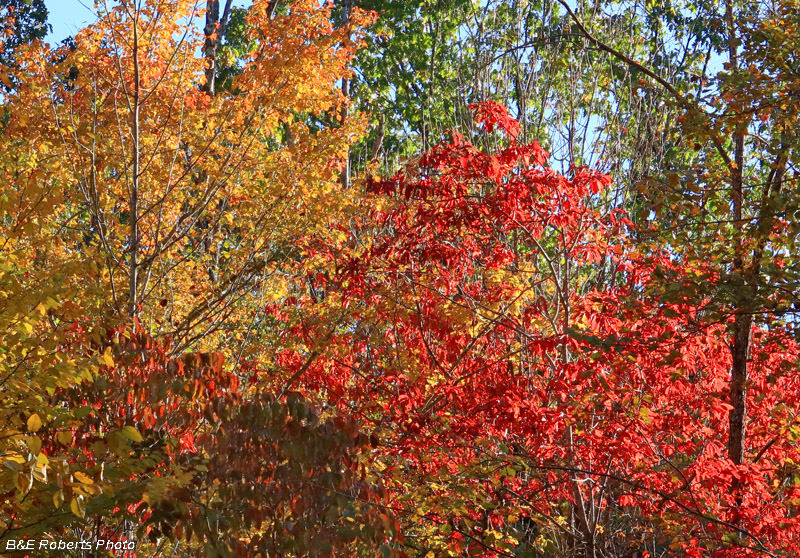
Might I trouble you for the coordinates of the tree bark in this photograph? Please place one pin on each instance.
(210, 45)
(345, 176)
(742, 330)
(743, 321)
(133, 202)
(214, 29)
(273, 5)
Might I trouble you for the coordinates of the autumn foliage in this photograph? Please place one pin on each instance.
(213, 344)
(517, 386)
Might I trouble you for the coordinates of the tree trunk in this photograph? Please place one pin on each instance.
(345, 176)
(133, 201)
(743, 323)
(214, 29)
(741, 349)
(273, 5)
(210, 45)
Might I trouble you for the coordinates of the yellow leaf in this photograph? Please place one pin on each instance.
(34, 423)
(34, 444)
(82, 478)
(106, 357)
(131, 434)
(24, 483)
(76, 505)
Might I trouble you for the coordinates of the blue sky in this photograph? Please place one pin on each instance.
(67, 16)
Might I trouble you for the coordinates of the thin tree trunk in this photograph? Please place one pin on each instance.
(214, 29)
(378, 143)
(743, 321)
(345, 176)
(210, 45)
(273, 5)
(133, 203)
(742, 330)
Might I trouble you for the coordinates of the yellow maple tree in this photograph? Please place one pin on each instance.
(132, 198)
(179, 204)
